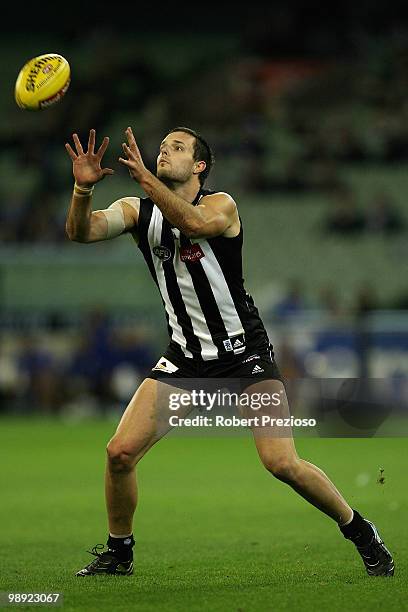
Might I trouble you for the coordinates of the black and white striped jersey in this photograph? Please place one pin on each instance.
(209, 313)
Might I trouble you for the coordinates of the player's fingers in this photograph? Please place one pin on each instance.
(101, 151)
(127, 150)
(130, 135)
(131, 140)
(125, 161)
(70, 151)
(78, 145)
(106, 171)
(91, 141)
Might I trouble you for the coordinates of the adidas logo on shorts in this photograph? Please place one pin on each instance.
(257, 370)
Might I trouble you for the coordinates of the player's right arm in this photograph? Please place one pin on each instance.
(83, 224)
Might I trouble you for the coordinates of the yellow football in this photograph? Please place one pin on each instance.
(42, 81)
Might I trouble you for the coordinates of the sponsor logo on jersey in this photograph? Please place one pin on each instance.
(162, 252)
(164, 365)
(257, 370)
(191, 253)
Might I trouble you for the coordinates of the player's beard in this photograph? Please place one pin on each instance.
(173, 178)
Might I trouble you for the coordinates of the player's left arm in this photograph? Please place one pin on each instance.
(213, 216)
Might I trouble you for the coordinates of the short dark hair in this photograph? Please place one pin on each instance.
(202, 152)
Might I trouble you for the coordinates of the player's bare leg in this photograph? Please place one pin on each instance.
(144, 422)
(277, 452)
(136, 433)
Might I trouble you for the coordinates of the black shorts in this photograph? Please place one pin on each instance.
(248, 368)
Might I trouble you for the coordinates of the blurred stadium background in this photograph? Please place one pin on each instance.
(308, 116)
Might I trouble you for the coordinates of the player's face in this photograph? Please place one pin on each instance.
(175, 161)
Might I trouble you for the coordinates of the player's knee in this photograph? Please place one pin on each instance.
(283, 468)
(119, 458)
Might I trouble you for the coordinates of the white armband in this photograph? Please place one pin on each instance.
(115, 218)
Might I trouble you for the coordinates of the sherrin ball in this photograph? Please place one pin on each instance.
(42, 82)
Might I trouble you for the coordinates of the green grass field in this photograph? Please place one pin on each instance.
(214, 531)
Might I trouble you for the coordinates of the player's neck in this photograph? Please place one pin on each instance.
(187, 191)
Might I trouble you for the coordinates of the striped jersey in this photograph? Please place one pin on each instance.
(209, 314)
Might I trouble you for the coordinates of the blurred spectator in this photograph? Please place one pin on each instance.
(348, 146)
(290, 364)
(366, 300)
(382, 215)
(39, 223)
(10, 381)
(11, 216)
(92, 363)
(401, 301)
(133, 347)
(345, 219)
(41, 377)
(134, 360)
(294, 303)
(329, 302)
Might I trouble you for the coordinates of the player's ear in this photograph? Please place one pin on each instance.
(199, 167)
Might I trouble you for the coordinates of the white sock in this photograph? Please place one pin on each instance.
(114, 535)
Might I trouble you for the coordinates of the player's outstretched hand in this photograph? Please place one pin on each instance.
(86, 167)
(134, 161)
